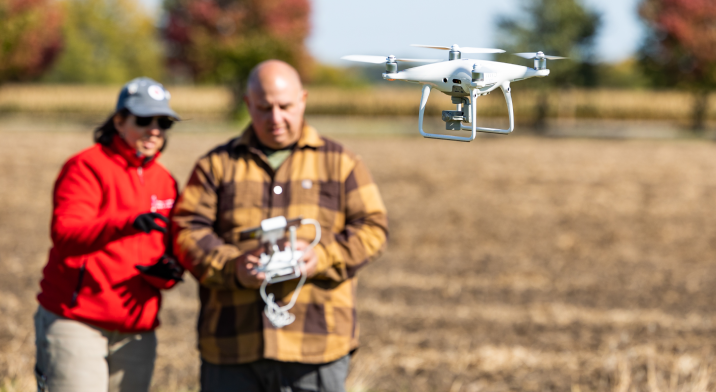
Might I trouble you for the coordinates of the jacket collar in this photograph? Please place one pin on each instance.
(127, 154)
(309, 138)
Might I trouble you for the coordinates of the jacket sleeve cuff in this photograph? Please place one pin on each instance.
(220, 269)
(124, 225)
(229, 272)
(324, 262)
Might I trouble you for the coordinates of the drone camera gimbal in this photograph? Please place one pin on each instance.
(454, 118)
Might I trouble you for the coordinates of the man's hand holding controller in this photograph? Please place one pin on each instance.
(248, 263)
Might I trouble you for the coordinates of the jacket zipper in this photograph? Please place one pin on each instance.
(140, 173)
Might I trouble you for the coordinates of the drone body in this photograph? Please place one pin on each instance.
(455, 78)
(464, 80)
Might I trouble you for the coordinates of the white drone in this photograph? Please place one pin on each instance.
(464, 80)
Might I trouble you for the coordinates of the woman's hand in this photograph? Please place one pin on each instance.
(166, 268)
(145, 222)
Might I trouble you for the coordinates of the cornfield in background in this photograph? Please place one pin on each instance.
(215, 102)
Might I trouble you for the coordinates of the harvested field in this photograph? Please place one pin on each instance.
(515, 263)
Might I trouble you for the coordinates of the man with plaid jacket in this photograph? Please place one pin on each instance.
(278, 167)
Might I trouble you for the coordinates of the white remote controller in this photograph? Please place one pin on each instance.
(280, 265)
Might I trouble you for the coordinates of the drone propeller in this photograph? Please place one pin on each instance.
(456, 48)
(391, 65)
(538, 55)
(540, 58)
(383, 59)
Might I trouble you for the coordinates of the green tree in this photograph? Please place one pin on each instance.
(555, 27)
(680, 49)
(221, 41)
(29, 38)
(107, 41)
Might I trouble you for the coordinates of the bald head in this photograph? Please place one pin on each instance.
(273, 74)
(276, 101)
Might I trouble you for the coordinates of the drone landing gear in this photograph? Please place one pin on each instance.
(454, 119)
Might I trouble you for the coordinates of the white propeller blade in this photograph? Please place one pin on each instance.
(419, 60)
(382, 59)
(365, 59)
(538, 55)
(461, 49)
(481, 50)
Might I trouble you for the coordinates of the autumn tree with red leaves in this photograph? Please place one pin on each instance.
(220, 41)
(30, 38)
(680, 49)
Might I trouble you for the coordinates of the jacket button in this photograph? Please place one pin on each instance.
(277, 190)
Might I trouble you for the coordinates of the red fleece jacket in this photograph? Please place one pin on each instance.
(97, 196)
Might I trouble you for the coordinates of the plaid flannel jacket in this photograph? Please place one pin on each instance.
(233, 188)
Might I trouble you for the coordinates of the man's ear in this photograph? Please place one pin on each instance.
(247, 101)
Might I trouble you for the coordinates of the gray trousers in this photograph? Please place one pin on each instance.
(76, 357)
(272, 376)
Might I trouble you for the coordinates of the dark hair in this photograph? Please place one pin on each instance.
(105, 132)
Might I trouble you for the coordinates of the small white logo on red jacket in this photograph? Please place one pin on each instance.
(161, 204)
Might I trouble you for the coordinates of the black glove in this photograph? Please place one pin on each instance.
(165, 268)
(146, 223)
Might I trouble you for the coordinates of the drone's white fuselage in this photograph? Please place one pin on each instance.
(466, 80)
(451, 76)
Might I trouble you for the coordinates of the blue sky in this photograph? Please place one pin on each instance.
(383, 27)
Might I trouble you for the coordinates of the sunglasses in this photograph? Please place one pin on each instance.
(164, 122)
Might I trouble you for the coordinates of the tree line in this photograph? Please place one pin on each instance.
(219, 41)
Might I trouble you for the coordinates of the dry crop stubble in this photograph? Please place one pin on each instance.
(514, 263)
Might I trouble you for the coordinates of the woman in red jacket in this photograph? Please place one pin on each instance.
(101, 286)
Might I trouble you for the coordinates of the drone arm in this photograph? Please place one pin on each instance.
(506, 90)
(489, 89)
(423, 103)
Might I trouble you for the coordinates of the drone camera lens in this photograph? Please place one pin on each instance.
(444, 80)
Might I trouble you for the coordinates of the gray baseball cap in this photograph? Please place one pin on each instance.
(145, 97)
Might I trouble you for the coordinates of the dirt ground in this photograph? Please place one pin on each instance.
(514, 264)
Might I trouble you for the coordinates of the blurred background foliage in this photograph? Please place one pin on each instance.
(221, 41)
(217, 42)
(29, 38)
(107, 42)
(680, 50)
(558, 28)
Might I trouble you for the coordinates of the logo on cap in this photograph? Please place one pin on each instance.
(156, 92)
